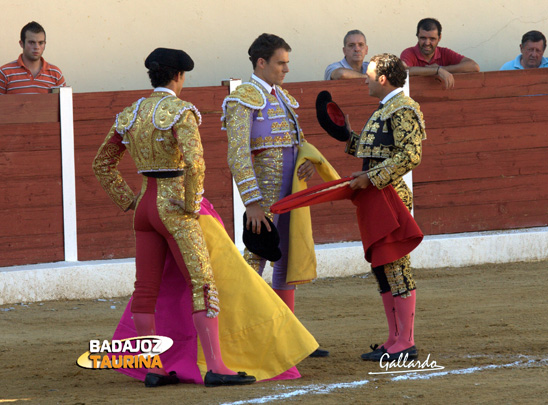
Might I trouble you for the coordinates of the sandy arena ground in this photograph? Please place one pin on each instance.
(487, 325)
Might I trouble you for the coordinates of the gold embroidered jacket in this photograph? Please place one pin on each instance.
(255, 121)
(161, 134)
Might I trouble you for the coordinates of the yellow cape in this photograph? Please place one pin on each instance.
(259, 334)
(301, 266)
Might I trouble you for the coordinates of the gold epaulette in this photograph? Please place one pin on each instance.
(248, 95)
(125, 119)
(399, 102)
(290, 100)
(168, 111)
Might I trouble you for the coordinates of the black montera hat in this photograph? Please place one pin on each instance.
(265, 244)
(331, 117)
(173, 58)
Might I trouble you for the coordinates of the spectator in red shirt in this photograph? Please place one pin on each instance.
(428, 59)
(30, 73)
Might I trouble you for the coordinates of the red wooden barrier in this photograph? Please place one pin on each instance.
(484, 163)
(31, 211)
(103, 230)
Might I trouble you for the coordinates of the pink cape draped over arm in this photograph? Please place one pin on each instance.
(174, 320)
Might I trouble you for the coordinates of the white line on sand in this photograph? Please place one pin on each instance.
(315, 389)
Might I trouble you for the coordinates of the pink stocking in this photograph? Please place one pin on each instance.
(390, 311)
(208, 332)
(405, 312)
(145, 326)
(287, 296)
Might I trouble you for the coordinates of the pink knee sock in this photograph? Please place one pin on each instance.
(287, 296)
(390, 311)
(405, 312)
(208, 332)
(145, 325)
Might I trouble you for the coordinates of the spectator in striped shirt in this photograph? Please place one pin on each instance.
(30, 73)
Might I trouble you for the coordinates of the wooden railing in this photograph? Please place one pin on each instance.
(31, 197)
(484, 167)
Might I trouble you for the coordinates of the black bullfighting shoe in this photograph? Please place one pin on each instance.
(375, 354)
(157, 380)
(319, 353)
(215, 380)
(408, 354)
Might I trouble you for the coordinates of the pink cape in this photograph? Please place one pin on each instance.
(174, 320)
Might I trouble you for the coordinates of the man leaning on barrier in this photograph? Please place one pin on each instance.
(428, 59)
(352, 66)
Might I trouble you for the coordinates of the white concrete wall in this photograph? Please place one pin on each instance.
(101, 44)
(113, 278)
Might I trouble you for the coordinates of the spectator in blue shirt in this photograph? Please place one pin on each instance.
(533, 45)
(352, 66)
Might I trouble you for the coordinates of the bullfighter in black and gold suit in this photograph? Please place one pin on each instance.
(391, 142)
